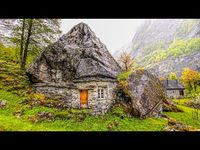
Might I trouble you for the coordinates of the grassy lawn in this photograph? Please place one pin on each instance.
(110, 121)
(187, 116)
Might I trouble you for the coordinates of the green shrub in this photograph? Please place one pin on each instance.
(124, 75)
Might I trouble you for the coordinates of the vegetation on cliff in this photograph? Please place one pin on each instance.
(175, 49)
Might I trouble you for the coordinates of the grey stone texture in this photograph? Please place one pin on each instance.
(147, 94)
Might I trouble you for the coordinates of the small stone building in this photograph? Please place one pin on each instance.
(79, 69)
(174, 88)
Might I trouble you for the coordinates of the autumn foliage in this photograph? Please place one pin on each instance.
(126, 61)
(172, 76)
(190, 78)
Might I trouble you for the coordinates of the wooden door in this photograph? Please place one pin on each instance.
(84, 97)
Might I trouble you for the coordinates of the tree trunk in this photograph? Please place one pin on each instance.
(195, 86)
(190, 87)
(27, 43)
(22, 42)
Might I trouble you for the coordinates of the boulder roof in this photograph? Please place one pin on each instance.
(77, 55)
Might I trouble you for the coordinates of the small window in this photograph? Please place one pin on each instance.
(100, 93)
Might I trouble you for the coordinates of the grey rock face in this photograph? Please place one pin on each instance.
(147, 94)
(77, 54)
(163, 69)
(164, 31)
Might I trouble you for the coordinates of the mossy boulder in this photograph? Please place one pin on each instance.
(147, 94)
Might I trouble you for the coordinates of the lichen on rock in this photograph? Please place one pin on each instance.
(147, 94)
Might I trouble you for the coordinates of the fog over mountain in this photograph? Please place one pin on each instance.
(166, 45)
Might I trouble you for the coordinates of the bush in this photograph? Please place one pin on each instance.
(124, 76)
(119, 111)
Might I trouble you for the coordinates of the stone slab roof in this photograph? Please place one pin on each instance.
(173, 85)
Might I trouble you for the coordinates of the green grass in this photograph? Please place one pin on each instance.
(181, 101)
(186, 116)
(14, 87)
(92, 123)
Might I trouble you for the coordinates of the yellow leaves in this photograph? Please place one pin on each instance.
(189, 76)
(172, 76)
(123, 84)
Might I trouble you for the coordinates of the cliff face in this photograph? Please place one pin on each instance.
(167, 45)
(176, 65)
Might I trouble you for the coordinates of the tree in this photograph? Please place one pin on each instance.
(22, 42)
(31, 35)
(126, 61)
(23, 61)
(172, 76)
(190, 78)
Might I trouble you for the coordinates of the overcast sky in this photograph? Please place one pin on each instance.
(114, 33)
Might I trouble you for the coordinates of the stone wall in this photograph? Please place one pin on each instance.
(66, 94)
(72, 95)
(99, 106)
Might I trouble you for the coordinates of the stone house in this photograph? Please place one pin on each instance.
(174, 88)
(79, 69)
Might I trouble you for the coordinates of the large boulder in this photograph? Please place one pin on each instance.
(147, 94)
(77, 54)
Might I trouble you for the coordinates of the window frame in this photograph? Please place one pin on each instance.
(101, 93)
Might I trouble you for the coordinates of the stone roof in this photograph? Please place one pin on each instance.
(172, 85)
(79, 54)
